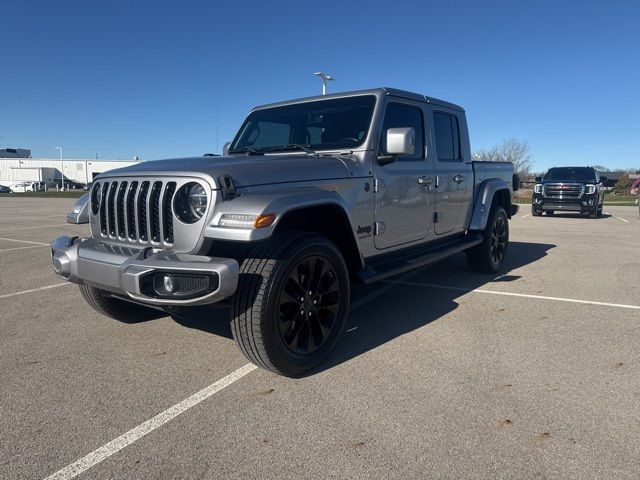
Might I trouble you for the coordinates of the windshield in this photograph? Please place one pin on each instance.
(571, 174)
(323, 124)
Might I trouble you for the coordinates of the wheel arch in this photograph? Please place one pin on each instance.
(313, 210)
(331, 221)
(492, 191)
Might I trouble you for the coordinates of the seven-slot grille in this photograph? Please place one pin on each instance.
(137, 210)
(563, 190)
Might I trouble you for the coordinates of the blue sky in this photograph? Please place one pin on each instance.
(159, 79)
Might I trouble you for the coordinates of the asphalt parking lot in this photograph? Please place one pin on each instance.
(441, 374)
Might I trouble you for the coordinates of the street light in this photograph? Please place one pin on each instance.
(61, 167)
(324, 78)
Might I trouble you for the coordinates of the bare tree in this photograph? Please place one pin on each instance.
(511, 150)
(600, 168)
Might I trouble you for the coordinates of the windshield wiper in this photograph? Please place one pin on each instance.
(304, 148)
(248, 151)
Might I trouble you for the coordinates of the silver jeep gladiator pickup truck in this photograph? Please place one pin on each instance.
(310, 195)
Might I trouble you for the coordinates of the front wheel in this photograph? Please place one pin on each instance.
(112, 307)
(488, 256)
(291, 303)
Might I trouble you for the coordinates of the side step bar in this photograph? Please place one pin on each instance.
(402, 263)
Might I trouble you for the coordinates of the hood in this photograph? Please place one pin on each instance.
(246, 171)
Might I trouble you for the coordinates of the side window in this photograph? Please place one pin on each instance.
(447, 133)
(399, 116)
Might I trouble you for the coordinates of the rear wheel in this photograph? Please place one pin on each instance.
(488, 256)
(115, 308)
(291, 303)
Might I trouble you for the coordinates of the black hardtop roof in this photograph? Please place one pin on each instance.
(383, 91)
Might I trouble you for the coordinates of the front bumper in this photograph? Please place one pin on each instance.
(130, 271)
(585, 203)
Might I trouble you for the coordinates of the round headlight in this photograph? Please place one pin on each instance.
(190, 202)
(95, 198)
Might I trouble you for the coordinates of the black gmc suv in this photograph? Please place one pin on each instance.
(568, 189)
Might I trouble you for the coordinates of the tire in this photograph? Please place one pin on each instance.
(271, 305)
(115, 308)
(483, 257)
(594, 212)
(536, 213)
(600, 208)
(550, 212)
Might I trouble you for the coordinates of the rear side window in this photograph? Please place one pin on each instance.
(447, 133)
(400, 116)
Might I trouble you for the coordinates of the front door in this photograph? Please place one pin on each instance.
(454, 171)
(404, 203)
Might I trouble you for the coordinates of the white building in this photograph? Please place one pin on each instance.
(14, 170)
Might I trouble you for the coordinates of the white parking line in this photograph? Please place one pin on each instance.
(615, 216)
(141, 430)
(525, 216)
(22, 241)
(114, 446)
(14, 294)
(511, 294)
(39, 226)
(22, 248)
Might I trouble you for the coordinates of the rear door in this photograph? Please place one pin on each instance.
(454, 172)
(404, 206)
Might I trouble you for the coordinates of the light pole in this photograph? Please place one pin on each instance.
(324, 78)
(61, 166)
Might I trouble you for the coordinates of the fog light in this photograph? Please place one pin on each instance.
(167, 281)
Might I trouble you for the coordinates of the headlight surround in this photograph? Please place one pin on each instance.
(190, 202)
(537, 188)
(589, 189)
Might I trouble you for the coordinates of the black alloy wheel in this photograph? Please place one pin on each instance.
(489, 255)
(292, 302)
(308, 305)
(498, 239)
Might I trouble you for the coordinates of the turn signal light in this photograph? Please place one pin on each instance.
(264, 220)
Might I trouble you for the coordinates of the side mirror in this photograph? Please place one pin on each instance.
(538, 179)
(401, 141)
(225, 148)
(603, 179)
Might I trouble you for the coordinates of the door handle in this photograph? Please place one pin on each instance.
(424, 181)
(459, 178)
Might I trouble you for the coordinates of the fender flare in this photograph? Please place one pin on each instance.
(276, 202)
(484, 197)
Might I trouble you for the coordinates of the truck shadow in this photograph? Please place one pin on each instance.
(413, 303)
(399, 309)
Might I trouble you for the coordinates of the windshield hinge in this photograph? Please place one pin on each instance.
(227, 187)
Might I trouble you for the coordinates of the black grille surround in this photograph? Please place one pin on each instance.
(139, 211)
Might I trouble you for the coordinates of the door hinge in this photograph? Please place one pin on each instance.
(378, 184)
(437, 216)
(379, 228)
